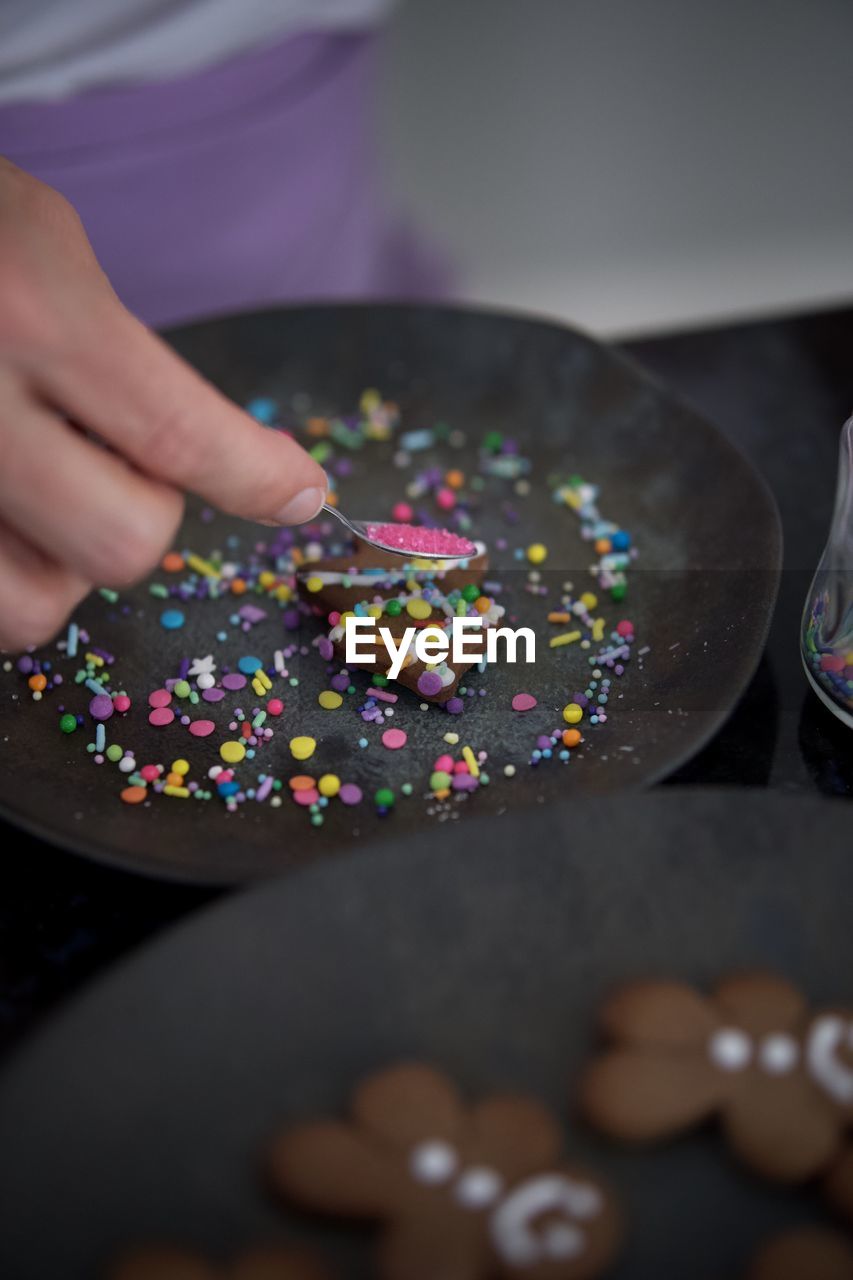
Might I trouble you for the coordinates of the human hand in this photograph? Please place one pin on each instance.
(73, 360)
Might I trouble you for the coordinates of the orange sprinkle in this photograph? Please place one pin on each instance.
(174, 779)
(172, 562)
(318, 427)
(301, 782)
(455, 479)
(602, 546)
(559, 617)
(571, 737)
(238, 586)
(482, 604)
(295, 554)
(331, 499)
(37, 683)
(134, 795)
(246, 728)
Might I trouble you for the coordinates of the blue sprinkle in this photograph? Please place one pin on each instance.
(172, 619)
(100, 738)
(249, 665)
(263, 408)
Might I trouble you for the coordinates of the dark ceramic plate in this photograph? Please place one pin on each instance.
(142, 1111)
(700, 598)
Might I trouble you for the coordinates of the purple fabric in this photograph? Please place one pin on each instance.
(253, 181)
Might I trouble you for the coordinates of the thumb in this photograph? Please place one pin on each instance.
(120, 380)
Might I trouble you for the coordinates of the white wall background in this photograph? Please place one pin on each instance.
(629, 164)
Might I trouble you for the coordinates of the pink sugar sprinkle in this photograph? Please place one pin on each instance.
(523, 702)
(416, 540)
(202, 728)
(394, 739)
(161, 716)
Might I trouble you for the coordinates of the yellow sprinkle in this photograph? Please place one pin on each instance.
(329, 699)
(588, 600)
(329, 785)
(451, 739)
(266, 579)
(566, 637)
(232, 752)
(471, 761)
(94, 660)
(202, 566)
(262, 678)
(571, 499)
(598, 630)
(181, 792)
(418, 608)
(314, 583)
(283, 593)
(181, 766)
(572, 713)
(374, 611)
(302, 748)
(537, 552)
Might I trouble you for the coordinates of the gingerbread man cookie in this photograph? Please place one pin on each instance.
(472, 1193)
(779, 1077)
(259, 1264)
(808, 1253)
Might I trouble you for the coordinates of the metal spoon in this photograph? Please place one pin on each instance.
(362, 528)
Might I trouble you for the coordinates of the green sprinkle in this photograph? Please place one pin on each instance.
(407, 788)
(108, 594)
(114, 752)
(159, 590)
(68, 723)
(393, 608)
(181, 689)
(384, 798)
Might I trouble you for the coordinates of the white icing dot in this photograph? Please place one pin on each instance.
(433, 1162)
(564, 1241)
(730, 1049)
(778, 1054)
(585, 1200)
(478, 1187)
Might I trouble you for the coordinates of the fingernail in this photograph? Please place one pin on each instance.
(301, 507)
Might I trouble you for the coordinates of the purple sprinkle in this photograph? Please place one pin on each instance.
(25, 664)
(455, 706)
(429, 684)
(350, 793)
(213, 695)
(234, 681)
(464, 782)
(183, 668)
(101, 707)
(325, 648)
(252, 613)
(291, 619)
(340, 682)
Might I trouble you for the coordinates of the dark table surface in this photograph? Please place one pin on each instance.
(780, 389)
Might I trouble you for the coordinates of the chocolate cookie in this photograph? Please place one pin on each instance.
(808, 1253)
(475, 1192)
(401, 594)
(778, 1077)
(259, 1264)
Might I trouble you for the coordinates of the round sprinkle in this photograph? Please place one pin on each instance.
(101, 707)
(429, 683)
(181, 767)
(329, 785)
(159, 698)
(172, 619)
(384, 798)
(300, 782)
(232, 752)
(571, 737)
(68, 723)
(234, 680)
(523, 702)
(350, 793)
(314, 584)
(394, 739)
(455, 706)
(182, 689)
(307, 797)
(302, 748)
(536, 553)
(275, 706)
(249, 665)
(418, 608)
(172, 562)
(202, 728)
(161, 716)
(439, 780)
(114, 753)
(572, 713)
(134, 795)
(329, 699)
(509, 770)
